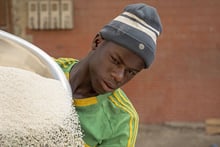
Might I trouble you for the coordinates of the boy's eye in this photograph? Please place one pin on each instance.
(132, 72)
(115, 61)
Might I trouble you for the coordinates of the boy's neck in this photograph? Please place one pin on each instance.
(80, 81)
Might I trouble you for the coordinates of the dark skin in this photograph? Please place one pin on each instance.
(107, 67)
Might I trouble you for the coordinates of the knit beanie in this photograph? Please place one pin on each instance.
(136, 29)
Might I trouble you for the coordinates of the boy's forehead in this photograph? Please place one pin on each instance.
(124, 55)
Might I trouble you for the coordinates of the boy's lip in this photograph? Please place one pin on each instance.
(107, 86)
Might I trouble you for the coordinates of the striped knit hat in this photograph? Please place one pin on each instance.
(136, 29)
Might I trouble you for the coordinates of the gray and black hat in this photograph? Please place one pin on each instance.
(136, 29)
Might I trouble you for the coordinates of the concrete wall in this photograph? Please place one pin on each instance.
(183, 83)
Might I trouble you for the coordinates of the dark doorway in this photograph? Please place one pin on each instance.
(5, 16)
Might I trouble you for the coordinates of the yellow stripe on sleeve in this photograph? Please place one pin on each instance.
(86, 145)
(85, 101)
(135, 114)
(121, 105)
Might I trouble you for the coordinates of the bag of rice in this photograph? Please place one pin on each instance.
(36, 111)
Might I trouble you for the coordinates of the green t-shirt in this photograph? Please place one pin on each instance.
(107, 120)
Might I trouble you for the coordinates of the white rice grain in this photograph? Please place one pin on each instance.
(36, 111)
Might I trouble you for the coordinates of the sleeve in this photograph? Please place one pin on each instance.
(66, 64)
(124, 121)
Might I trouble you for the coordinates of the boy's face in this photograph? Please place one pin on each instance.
(111, 66)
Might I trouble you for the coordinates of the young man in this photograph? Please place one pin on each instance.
(120, 50)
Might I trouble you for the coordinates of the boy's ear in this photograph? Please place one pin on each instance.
(96, 41)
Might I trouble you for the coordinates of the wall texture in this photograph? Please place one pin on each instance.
(183, 83)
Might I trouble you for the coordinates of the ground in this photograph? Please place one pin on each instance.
(176, 135)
